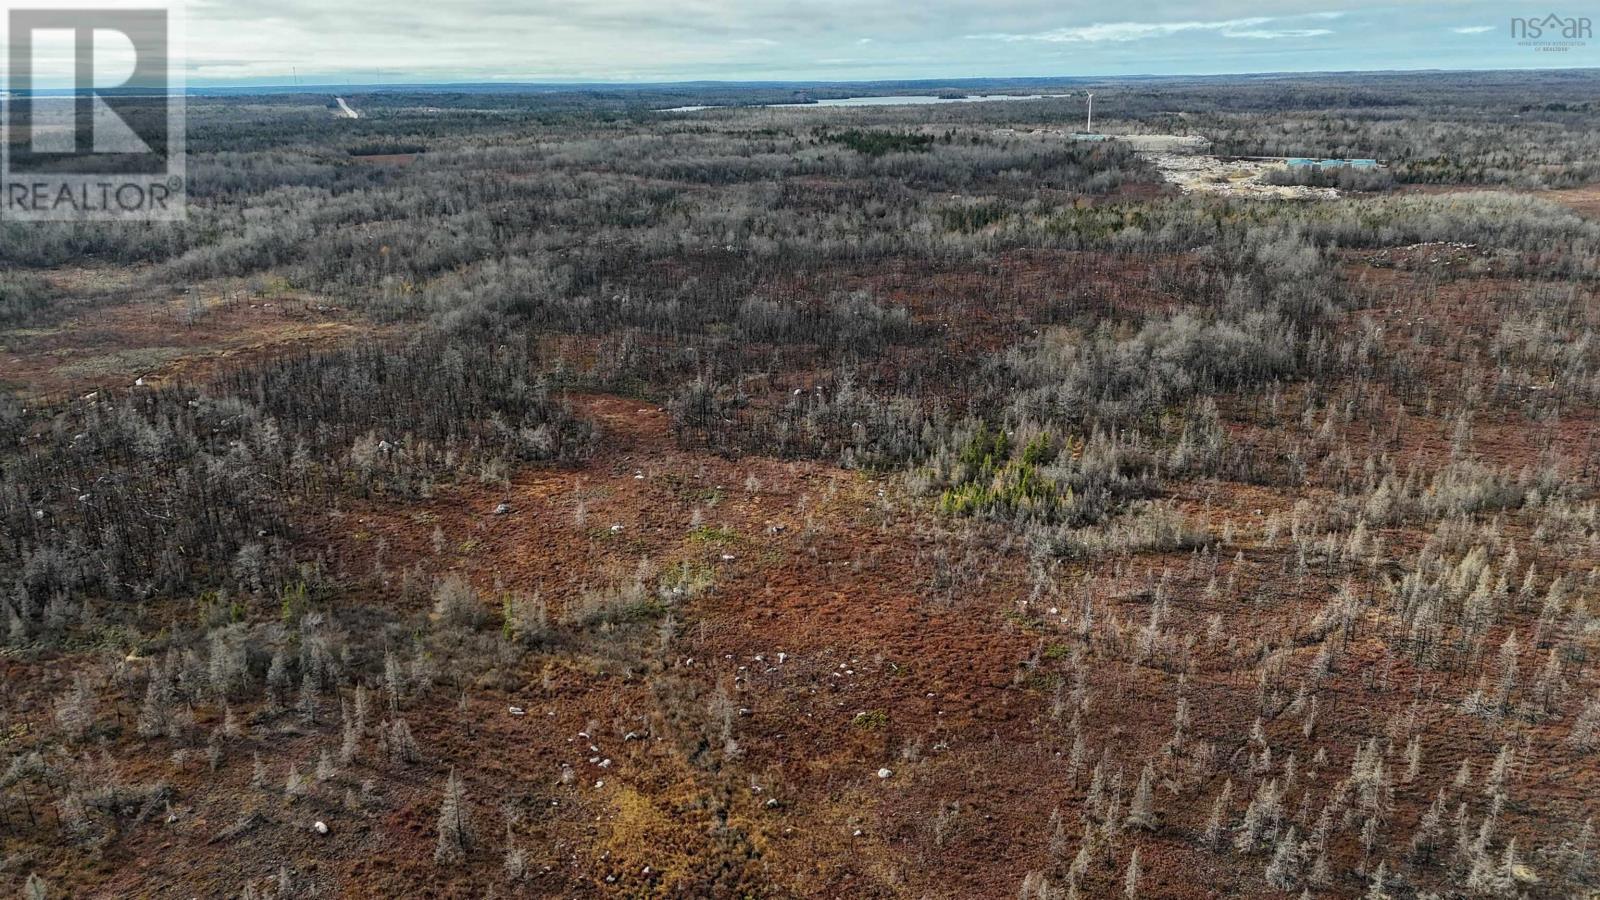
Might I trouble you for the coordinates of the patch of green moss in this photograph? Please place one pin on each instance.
(871, 720)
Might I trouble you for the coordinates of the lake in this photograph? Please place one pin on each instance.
(889, 100)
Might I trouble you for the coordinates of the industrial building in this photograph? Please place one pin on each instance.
(1300, 162)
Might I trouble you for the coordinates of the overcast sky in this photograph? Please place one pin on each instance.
(266, 41)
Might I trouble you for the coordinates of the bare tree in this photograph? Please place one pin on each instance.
(455, 828)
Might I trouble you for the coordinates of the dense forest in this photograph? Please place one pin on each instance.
(541, 493)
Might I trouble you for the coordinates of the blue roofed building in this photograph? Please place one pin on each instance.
(1302, 162)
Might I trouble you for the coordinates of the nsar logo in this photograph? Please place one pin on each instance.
(1552, 32)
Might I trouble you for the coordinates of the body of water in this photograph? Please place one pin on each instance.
(890, 100)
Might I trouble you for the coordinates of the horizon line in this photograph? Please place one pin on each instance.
(589, 82)
(247, 86)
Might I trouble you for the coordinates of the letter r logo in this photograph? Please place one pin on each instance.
(81, 80)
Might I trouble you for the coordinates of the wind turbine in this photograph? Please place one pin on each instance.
(1088, 125)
